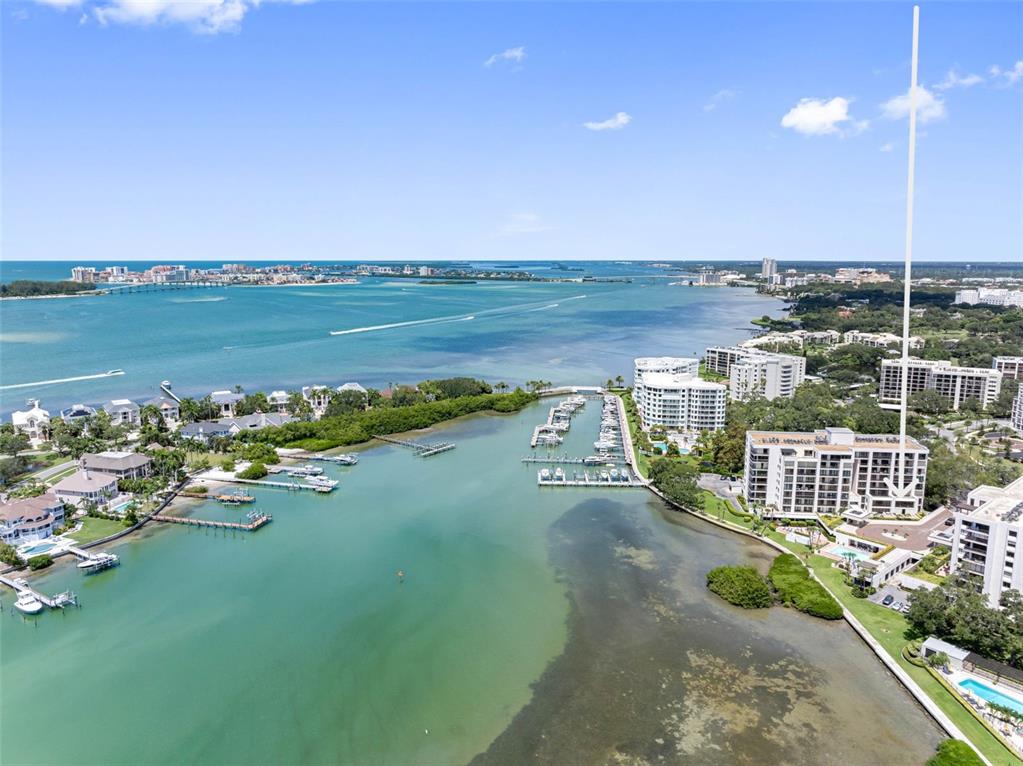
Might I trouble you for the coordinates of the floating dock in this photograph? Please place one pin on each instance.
(421, 449)
(258, 520)
(19, 586)
(586, 479)
(288, 485)
(563, 459)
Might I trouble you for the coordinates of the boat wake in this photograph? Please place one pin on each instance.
(496, 313)
(75, 379)
(213, 299)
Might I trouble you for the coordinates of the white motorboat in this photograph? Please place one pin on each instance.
(28, 603)
(347, 459)
(545, 474)
(321, 481)
(98, 563)
(594, 460)
(559, 474)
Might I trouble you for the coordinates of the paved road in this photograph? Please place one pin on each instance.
(53, 470)
(719, 485)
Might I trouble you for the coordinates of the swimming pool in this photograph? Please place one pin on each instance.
(122, 508)
(985, 692)
(38, 549)
(843, 553)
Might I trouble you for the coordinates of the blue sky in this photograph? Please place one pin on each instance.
(231, 129)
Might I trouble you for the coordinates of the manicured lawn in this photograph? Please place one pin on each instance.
(889, 628)
(94, 529)
(722, 509)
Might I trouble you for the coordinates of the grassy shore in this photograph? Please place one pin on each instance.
(96, 529)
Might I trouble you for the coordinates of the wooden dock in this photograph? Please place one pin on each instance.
(19, 586)
(563, 459)
(291, 486)
(586, 479)
(257, 522)
(420, 448)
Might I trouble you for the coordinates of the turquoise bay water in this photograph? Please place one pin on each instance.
(298, 644)
(271, 337)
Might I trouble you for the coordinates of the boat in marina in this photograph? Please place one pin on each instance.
(98, 563)
(545, 474)
(594, 460)
(559, 474)
(322, 481)
(28, 603)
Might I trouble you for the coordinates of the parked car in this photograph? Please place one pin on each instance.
(888, 599)
(905, 609)
(898, 606)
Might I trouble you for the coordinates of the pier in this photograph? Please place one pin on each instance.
(586, 479)
(59, 601)
(421, 449)
(258, 520)
(563, 459)
(153, 287)
(291, 486)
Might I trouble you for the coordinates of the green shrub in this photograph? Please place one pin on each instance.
(954, 752)
(740, 585)
(8, 555)
(227, 464)
(792, 583)
(258, 452)
(40, 562)
(255, 471)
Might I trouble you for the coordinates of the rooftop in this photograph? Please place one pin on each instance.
(114, 460)
(85, 481)
(998, 504)
(671, 380)
(830, 439)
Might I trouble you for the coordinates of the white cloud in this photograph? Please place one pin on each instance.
(619, 121)
(1008, 76)
(522, 223)
(954, 80)
(887, 147)
(817, 117)
(722, 96)
(204, 16)
(516, 55)
(929, 107)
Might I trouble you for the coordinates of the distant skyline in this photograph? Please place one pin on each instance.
(236, 130)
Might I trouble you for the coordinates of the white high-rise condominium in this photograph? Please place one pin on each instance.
(957, 384)
(1016, 418)
(753, 372)
(768, 268)
(669, 393)
(986, 539)
(833, 471)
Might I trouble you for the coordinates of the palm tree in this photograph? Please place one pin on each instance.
(502, 386)
(619, 380)
(609, 383)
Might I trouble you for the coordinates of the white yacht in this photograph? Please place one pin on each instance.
(98, 563)
(28, 603)
(545, 474)
(559, 474)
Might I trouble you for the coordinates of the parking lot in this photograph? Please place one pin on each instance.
(890, 589)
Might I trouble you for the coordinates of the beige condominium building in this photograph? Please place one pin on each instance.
(753, 372)
(957, 384)
(1011, 367)
(834, 471)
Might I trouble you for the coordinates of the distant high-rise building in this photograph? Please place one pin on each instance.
(1011, 367)
(83, 274)
(768, 268)
(957, 384)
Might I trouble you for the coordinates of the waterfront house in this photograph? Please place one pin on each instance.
(351, 387)
(77, 412)
(169, 408)
(226, 401)
(254, 421)
(122, 412)
(204, 430)
(31, 518)
(279, 401)
(86, 486)
(123, 465)
(33, 422)
(318, 398)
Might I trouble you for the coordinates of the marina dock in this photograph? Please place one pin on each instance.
(292, 486)
(563, 459)
(19, 586)
(587, 479)
(258, 520)
(421, 449)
